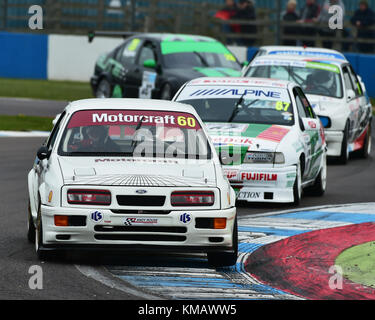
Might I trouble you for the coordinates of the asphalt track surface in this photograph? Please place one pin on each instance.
(62, 280)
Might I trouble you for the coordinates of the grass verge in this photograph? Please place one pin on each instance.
(25, 123)
(45, 89)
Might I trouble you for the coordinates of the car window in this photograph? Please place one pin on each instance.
(258, 105)
(146, 53)
(305, 103)
(300, 106)
(134, 133)
(354, 78)
(129, 52)
(349, 85)
(54, 133)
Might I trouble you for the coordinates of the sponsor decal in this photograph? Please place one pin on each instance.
(166, 161)
(133, 118)
(185, 218)
(231, 174)
(133, 220)
(231, 140)
(258, 176)
(307, 53)
(237, 92)
(275, 133)
(96, 216)
(312, 124)
(244, 195)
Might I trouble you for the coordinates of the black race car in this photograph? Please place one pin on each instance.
(155, 66)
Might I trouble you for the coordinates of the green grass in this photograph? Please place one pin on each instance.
(25, 123)
(45, 89)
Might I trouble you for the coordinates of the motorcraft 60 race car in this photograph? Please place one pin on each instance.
(156, 65)
(335, 92)
(269, 139)
(131, 174)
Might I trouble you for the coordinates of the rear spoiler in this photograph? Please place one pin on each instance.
(123, 34)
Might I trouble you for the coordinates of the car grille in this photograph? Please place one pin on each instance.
(140, 237)
(141, 201)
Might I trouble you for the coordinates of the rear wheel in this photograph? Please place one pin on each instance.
(225, 259)
(344, 156)
(166, 92)
(366, 150)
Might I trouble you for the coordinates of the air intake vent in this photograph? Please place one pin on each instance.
(141, 201)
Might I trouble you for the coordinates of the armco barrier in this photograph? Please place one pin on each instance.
(23, 55)
(53, 57)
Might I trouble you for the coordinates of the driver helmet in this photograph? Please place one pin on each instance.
(323, 78)
(97, 134)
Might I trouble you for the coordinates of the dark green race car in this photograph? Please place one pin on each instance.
(155, 66)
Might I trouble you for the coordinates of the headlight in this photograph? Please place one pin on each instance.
(264, 157)
(89, 197)
(192, 198)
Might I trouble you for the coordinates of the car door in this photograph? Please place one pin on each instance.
(353, 96)
(312, 134)
(142, 76)
(41, 166)
(122, 75)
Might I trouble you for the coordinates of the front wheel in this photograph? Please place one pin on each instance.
(344, 156)
(319, 187)
(30, 225)
(104, 89)
(225, 259)
(166, 92)
(297, 187)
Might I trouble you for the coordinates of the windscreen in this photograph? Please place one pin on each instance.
(134, 133)
(183, 54)
(263, 105)
(313, 77)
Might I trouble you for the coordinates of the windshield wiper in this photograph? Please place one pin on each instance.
(237, 107)
(134, 141)
(201, 58)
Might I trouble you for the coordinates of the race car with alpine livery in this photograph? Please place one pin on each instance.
(307, 52)
(334, 91)
(131, 174)
(270, 142)
(155, 66)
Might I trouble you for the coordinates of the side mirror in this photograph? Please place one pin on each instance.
(150, 63)
(43, 153)
(350, 94)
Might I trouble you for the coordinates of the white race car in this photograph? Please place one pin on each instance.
(131, 174)
(334, 91)
(269, 139)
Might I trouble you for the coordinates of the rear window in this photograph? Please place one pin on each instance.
(134, 133)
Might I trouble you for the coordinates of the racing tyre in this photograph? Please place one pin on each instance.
(225, 259)
(344, 157)
(320, 184)
(42, 255)
(30, 225)
(297, 187)
(104, 89)
(366, 150)
(166, 92)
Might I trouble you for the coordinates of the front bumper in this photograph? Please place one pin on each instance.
(334, 142)
(105, 229)
(262, 185)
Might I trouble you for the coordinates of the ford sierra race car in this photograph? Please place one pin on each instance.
(271, 143)
(334, 91)
(131, 174)
(156, 65)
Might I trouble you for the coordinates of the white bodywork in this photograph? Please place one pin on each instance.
(50, 179)
(352, 109)
(260, 182)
